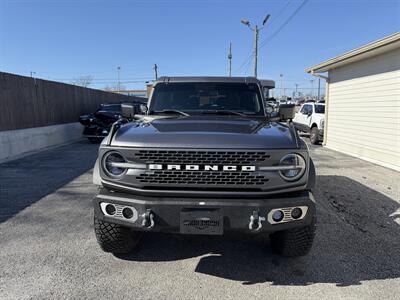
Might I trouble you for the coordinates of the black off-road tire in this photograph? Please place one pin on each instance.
(294, 242)
(314, 136)
(115, 238)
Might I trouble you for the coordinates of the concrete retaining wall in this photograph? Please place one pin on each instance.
(17, 143)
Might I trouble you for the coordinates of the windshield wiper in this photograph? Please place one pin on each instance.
(172, 111)
(224, 112)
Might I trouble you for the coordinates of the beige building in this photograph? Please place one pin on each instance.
(363, 102)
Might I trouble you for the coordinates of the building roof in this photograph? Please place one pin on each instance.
(377, 47)
(215, 79)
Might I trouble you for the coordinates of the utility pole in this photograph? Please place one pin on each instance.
(155, 70)
(119, 82)
(34, 79)
(319, 89)
(256, 31)
(312, 87)
(281, 76)
(296, 87)
(230, 59)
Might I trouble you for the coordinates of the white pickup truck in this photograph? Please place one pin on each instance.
(310, 119)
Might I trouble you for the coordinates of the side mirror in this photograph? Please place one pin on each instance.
(128, 110)
(287, 112)
(269, 109)
(143, 109)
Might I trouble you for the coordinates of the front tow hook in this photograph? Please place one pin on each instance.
(256, 222)
(148, 219)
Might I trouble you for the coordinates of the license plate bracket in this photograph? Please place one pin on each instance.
(208, 222)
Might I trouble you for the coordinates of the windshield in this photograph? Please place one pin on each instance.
(319, 109)
(207, 97)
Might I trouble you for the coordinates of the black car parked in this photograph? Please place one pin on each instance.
(98, 124)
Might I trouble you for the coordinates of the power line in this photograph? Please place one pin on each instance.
(251, 52)
(298, 87)
(248, 59)
(123, 81)
(280, 12)
(247, 67)
(100, 79)
(283, 24)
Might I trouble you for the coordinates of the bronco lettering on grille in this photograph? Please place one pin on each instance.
(202, 167)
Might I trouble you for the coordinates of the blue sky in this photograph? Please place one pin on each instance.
(61, 40)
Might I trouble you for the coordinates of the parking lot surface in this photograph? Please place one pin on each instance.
(48, 248)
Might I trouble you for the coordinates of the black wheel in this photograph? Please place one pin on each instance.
(115, 238)
(314, 136)
(294, 242)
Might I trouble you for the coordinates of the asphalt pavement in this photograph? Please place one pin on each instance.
(48, 249)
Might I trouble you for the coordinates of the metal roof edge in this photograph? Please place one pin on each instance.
(330, 63)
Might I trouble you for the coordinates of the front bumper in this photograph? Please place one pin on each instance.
(235, 213)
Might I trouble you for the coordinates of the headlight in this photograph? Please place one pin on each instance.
(296, 165)
(110, 164)
(321, 124)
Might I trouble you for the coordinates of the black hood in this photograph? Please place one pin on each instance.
(207, 133)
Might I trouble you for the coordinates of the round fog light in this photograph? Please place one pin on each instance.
(277, 216)
(296, 213)
(110, 209)
(127, 213)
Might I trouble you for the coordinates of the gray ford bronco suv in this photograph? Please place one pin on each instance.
(206, 156)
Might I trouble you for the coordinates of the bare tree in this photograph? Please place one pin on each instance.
(114, 88)
(84, 81)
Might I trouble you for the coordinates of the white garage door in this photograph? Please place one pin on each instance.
(364, 109)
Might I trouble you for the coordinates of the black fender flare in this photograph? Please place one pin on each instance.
(312, 176)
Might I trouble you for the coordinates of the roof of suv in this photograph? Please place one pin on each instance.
(314, 103)
(208, 79)
(224, 79)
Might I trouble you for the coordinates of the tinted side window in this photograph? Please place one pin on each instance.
(319, 109)
(306, 109)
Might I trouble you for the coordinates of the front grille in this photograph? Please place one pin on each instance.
(211, 179)
(214, 178)
(201, 157)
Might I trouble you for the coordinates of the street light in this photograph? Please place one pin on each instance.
(256, 31)
(266, 19)
(119, 82)
(245, 22)
(230, 59)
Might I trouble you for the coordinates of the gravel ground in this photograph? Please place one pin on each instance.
(48, 249)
